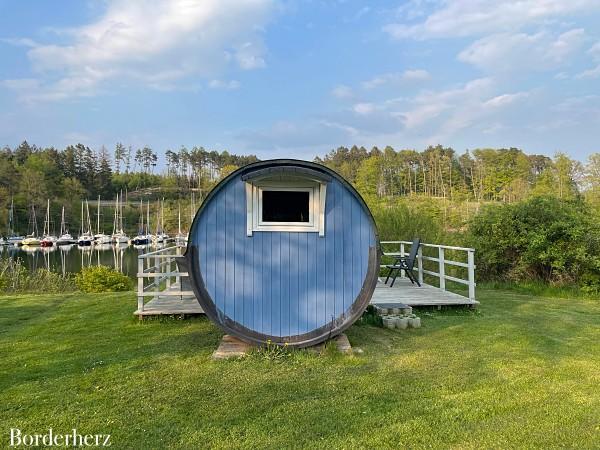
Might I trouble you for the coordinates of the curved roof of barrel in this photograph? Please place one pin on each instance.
(318, 335)
(259, 166)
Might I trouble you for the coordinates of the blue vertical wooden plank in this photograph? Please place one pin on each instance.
(302, 307)
(364, 238)
(229, 252)
(346, 252)
(320, 294)
(284, 296)
(202, 232)
(256, 271)
(339, 252)
(276, 284)
(214, 248)
(219, 244)
(240, 250)
(293, 303)
(249, 268)
(268, 284)
(329, 262)
(356, 239)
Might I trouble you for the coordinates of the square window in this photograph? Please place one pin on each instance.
(285, 206)
(295, 206)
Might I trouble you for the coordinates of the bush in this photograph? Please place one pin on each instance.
(542, 238)
(102, 279)
(401, 222)
(15, 278)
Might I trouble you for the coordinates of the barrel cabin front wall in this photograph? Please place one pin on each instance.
(283, 283)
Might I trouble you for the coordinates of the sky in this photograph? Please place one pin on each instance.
(298, 78)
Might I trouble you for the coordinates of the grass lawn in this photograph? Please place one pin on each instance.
(522, 371)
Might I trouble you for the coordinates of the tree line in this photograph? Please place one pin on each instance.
(32, 174)
(505, 175)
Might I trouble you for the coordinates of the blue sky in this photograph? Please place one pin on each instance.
(297, 78)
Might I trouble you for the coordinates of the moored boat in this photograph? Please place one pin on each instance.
(48, 240)
(119, 236)
(12, 238)
(65, 237)
(143, 237)
(86, 238)
(32, 239)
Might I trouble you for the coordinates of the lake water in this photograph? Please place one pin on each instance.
(71, 258)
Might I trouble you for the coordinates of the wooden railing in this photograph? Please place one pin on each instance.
(158, 274)
(439, 254)
(160, 268)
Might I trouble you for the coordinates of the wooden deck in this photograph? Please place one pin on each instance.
(170, 305)
(403, 293)
(406, 293)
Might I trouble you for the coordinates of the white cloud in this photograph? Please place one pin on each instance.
(505, 99)
(471, 17)
(589, 73)
(248, 56)
(397, 77)
(521, 51)
(19, 42)
(342, 91)
(595, 51)
(159, 44)
(594, 72)
(222, 84)
(363, 108)
(430, 105)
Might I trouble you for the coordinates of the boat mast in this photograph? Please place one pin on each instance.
(141, 230)
(33, 222)
(89, 220)
(82, 218)
(46, 231)
(179, 218)
(98, 218)
(158, 231)
(121, 213)
(63, 226)
(115, 215)
(11, 231)
(148, 218)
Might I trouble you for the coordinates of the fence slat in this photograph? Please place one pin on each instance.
(442, 268)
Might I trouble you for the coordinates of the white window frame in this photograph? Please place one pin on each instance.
(316, 208)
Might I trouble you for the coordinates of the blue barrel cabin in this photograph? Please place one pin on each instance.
(284, 251)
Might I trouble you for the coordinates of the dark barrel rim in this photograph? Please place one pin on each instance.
(333, 328)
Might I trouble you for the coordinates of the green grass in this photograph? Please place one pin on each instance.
(522, 371)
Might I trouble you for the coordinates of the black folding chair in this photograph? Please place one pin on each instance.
(406, 263)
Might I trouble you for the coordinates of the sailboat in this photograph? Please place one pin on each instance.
(12, 237)
(32, 239)
(160, 236)
(119, 236)
(65, 237)
(86, 238)
(181, 238)
(142, 237)
(101, 238)
(48, 240)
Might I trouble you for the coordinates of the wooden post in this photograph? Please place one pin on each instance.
(169, 273)
(442, 266)
(402, 274)
(177, 276)
(140, 287)
(471, 269)
(157, 276)
(420, 264)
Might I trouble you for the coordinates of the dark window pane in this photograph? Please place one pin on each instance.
(285, 206)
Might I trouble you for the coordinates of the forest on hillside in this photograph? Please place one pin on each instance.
(434, 193)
